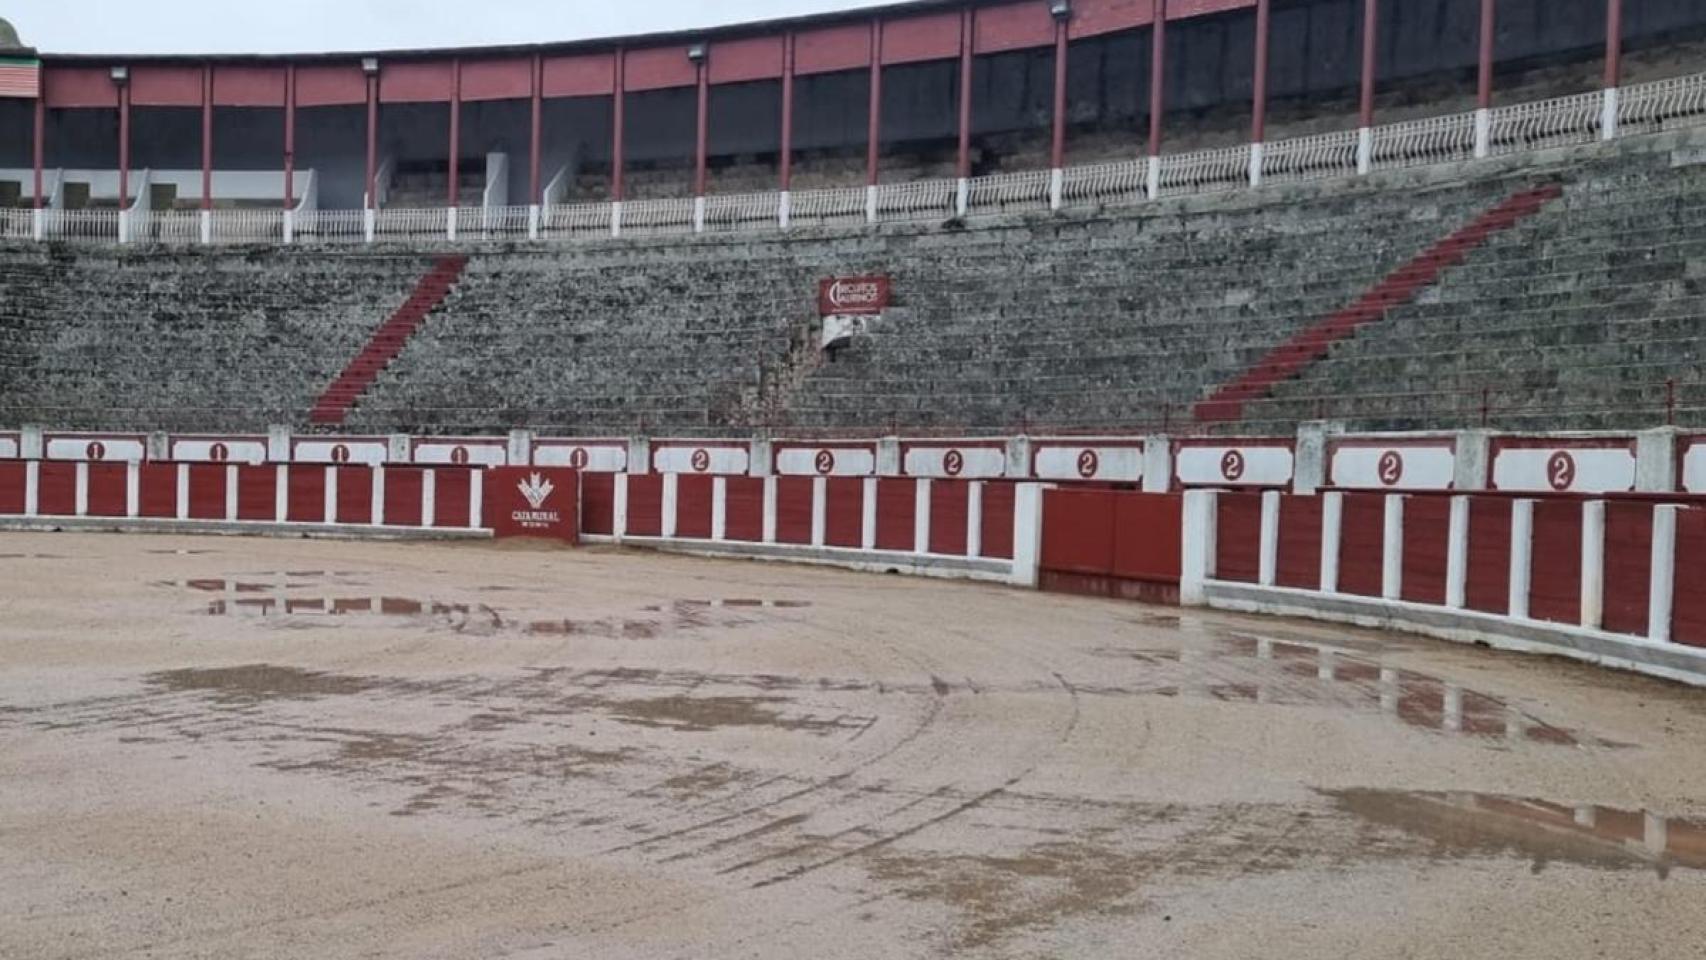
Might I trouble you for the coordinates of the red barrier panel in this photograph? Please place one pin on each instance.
(794, 510)
(158, 490)
(743, 509)
(405, 495)
(693, 506)
(257, 493)
(844, 515)
(56, 489)
(453, 498)
(109, 493)
(1688, 622)
(598, 504)
(998, 507)
(1427, 541)
(355, 495)
(1555, 587)
(13, 477)
(897, 509)
(950, 503)
(1148, 536)
(645, 505)
(306, 494)
(1299, 560)
(532, 502)
(1489, 569)
(1628, 566)
(1238, 540)
(1362, 544)
(207, 491)
(1078, 531)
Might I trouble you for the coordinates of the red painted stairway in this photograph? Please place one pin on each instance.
(335, 403)
(1399, 288)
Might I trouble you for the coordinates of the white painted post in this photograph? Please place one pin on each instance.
(616, 219)
(1608, 115)
(1593, 564)
(1310, 473)
(38, 224)
(974, 519)
(450, 223)
(1457, 555)
(231, 493)
(281, 492)
(871, 204)
(133, 490)
(80, 495)
(1522, 556)
(619, 508)
(477, 500)
(820, 510)
(769, 509)
(698, 214)
(1197, 556)
(962, 197)
(868, 515)
(785, 210)
(719, 508)
(1655, 460)
(1056, 188)
(671, 506)
(124, 226)
(376, 506)
(1474, 457)
(921, 516)
(289, 227)
(1268, 565)
(1027, 533)
(1483, 133)
(1332, 523)
(368, 224)
(1392, 549)
(1365, 151)
(206, 227)
(331, 506)
(429, 499)
(32, 488)
(1661, 597)
(1255, 164)
(183, 491)
(1157, 464)
(533, 221)
(1152, 183)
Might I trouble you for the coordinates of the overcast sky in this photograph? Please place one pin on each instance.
(289, 26)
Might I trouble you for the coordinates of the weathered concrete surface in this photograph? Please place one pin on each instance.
(532, 753)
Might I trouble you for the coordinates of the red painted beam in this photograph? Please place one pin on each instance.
(1157, 76)
(372, 200)
(1370, 52)
(207, 137)
(618, 110)
(787, 158)
(874, 137)
(40, 149)
(702, 134)
(290, 137)
(1489, 23)
(1057, 152)
(967, 24)
(455, 190)
(1259, 115)
(1613, 43)
(124, 146)
(537, 130)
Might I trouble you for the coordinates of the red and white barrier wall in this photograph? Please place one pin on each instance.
(1589, 577)
(963, 528)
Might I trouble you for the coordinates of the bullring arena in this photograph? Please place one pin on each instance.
(1024, 478)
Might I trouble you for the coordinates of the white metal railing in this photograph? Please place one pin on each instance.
(1311, 158)
(1563, 121)
(1560, 122)
(1124, 181)
(1008, 192)
(1418, 142)
(1205, 171)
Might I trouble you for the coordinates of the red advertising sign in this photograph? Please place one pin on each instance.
(533, 502)
(853, 296)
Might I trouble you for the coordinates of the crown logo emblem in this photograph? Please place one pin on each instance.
(537, 490)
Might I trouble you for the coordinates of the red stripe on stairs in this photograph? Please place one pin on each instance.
(335, 403)
(1398, 288)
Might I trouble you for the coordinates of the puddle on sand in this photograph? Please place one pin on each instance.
(1465, 824)
(179, 553)
(31, 556)
(1249, 669)
(703, 714)
(260, 681)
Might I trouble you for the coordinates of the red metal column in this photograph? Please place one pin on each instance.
(40, 147)
(372, 200)
(535, 148)
(874, 138)
(787, 159)
(1259, 118)
(1157, 76)
(702, 136)
(1370, 51)
(124, 146)
(290, 136)
(207, 137)
(1613, 44)
(620, 94)
(964, 165)
(1057, 153)
(455, 134)
(1489, 15)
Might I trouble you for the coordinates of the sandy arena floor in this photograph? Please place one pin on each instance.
(269, 749)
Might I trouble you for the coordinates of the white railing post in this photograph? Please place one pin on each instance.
(124, 226)
(871, 204)
(1332, 523)
(133, 490)
(619, 508)
(206, 227)
(616, 218)
(1593, 564)
(921, 515)
(769, 531)
(32, 488)
(974, 519)
(720, 508)
(1608, 115)
(1152, 182)
(698, 214)
(1457, 555)
(1196, 560)
(1255, 164)
(1522, 557)
(820, 511)
(38, 224)
(1365, 151)
(289, 227)
(1056, 188)
(533, 222)
(1027, 533)
(962, 196)
(1268, 565)
(868, 515)
(1392, 549)
(450, 219)
(368, 224)
(785, 209)
(1483, 133)
(1661, 596)
(670, 521)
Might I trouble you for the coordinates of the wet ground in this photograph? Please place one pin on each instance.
(241, 748)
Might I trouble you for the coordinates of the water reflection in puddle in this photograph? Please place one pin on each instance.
(1535, 829)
